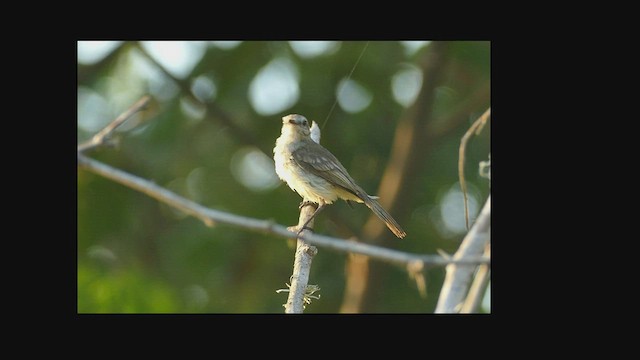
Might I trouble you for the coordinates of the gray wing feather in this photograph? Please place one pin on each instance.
(319, 161)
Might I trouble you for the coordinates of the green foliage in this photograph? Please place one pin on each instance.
(136, 255)
(128, 291)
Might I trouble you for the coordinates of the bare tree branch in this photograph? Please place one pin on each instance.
(101, 137)
(458, 276)
(301, 266)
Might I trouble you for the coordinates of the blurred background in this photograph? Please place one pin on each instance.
(395, 123)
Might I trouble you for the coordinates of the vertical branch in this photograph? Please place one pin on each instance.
(301, 266)
(456, 282)
(475, 128)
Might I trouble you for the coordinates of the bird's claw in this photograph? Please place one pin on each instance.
(297, 230)
(305, 203)
(303, 229)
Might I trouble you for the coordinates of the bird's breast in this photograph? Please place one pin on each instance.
(309, 186)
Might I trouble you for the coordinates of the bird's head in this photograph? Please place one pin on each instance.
(296, 124)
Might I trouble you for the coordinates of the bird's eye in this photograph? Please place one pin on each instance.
(305, 123)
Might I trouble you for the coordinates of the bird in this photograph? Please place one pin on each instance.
(313, 172)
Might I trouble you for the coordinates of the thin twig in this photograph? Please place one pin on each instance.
(476, 127)
(458, 276)
(211, 216)
(100, 138)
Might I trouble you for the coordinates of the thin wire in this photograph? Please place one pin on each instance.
(343, 85)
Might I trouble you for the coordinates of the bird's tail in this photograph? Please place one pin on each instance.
(384, 216)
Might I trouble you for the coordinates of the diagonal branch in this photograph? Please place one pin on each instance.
(211, 216)
(102, 136)
(456, 282)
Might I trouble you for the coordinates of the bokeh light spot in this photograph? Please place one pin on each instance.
(94, 112)
(149, 76)
(275, 88)
(448, 216)
(204, 88)
(406, 84)
(192, 110)
(352, 96)
(254, 169)
(411, 47)
(177, 57)
(90, 52)
(310, 49)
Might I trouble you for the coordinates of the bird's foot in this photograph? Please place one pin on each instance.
(297, 230)
(305, 203)
(303, 229)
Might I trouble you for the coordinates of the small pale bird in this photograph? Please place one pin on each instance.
(315, 174)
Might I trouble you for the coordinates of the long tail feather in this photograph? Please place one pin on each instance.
(384, 216)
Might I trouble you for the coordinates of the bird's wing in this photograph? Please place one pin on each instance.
(317, 160)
